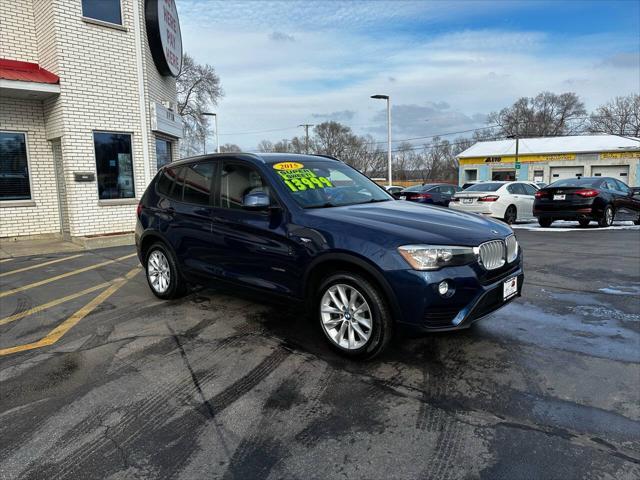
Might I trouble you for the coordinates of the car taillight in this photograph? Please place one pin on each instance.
(489, 198)
(541, 194)
(139, 210)
(587, 192)
(423, 195)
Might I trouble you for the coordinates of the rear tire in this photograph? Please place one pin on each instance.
(353, 315)
(584, 223)
(607, 217)
(510, 215)
(163, 275)
(545, 222)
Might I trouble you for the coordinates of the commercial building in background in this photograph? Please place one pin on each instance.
(549, 159)
(87, 112)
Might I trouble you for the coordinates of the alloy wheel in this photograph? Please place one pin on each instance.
(158, 271)
(608, 216)
(510, 215)
(346, 316)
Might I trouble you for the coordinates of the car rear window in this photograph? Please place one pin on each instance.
(577, 182)
(484, 187)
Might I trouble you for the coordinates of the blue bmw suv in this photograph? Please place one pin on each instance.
(315, 230)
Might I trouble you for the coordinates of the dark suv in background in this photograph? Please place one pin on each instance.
(313, 230)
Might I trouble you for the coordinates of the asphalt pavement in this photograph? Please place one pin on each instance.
(99, 379)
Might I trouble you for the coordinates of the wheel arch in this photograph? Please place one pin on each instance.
(324, 265)
(148, 239)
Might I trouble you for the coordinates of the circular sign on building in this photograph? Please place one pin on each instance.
(163, 32)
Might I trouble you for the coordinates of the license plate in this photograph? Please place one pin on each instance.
(403, 197)
(510, 288)
(559, 197)
(467, 200)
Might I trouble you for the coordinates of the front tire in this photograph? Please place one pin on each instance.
(163, 274)
(353, 315)
(607, 217)
(510, 215)
(545, 222)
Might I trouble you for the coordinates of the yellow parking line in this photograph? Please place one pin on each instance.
(6, 260)
(53, 303)
(56, 334)
(64, 275)
(58, 260)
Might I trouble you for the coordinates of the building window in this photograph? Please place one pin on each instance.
(163, 152)
(14, 168)
(114, 165)
(104, 10)
(471, 175)
(538, 175)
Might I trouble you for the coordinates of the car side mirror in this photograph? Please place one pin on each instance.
(256, 201)
(635, 192)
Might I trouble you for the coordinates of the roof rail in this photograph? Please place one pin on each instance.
(326, 156)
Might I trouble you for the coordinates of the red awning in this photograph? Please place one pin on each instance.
(25, 72)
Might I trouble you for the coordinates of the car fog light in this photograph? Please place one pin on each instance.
(443, 287)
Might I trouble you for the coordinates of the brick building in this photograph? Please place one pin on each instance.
(87, 100)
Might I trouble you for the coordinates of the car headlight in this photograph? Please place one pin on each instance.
(433, 257)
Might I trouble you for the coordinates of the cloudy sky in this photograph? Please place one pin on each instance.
(444, 64)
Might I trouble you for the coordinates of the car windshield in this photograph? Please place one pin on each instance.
(328, 183)
(577, 182)
(484, 187)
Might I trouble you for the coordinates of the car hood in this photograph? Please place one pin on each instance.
(410, 222)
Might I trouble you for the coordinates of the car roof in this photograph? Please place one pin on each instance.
(260, 157)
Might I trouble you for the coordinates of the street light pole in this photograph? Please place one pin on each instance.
(388, 99)
(306, 134)
(215, 123)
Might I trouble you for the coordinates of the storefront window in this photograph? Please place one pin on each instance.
(104, 10)
(14, 170)
(114, 165)
(163, 152)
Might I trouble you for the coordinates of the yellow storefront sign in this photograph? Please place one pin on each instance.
(521, 158)
(616, 155)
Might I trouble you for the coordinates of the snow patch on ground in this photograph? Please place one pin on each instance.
(621, 290)
(567, 226)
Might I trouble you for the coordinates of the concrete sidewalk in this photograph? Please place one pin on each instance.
(17, 247)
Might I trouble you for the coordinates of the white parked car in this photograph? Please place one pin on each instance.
(508, 201)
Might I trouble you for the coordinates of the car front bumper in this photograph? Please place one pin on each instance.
(476, 293)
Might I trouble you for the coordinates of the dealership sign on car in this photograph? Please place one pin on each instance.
(163, 32)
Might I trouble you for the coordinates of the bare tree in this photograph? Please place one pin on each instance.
(546, 114)
(265, 146)
(198, 88)
(229, 148)
(621, 116)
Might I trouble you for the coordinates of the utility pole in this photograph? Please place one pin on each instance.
(517, 165)
(388, 99)
(306, 134)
